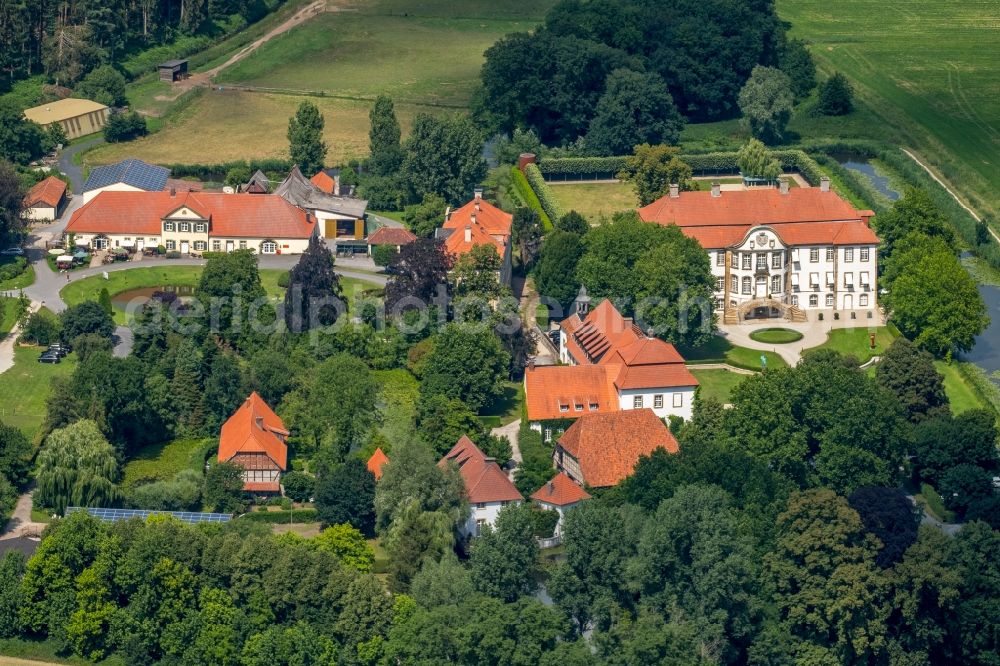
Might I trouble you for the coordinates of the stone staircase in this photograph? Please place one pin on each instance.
(793, 312)
(796, 314)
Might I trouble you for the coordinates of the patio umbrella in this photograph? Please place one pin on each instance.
(56, 250)
(79, 254)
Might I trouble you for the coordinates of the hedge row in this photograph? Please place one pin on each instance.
(704, 163)
(278, 517)
(544, 193)
(217, 172)
(529, 197)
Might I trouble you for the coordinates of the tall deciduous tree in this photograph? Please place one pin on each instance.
(467, 363)
(477, 273)
(504, 557)
(444, 156)
(756, 161)
(653, 169)
(15, 454)
(888, 514)
(225, 390)
(229, 289)
(84, 318)
(423, 218)
(635, 108)
(795, 61)
(412, 474)
(766, 101)
(77, 467)
(224, 487)
(312, 289)
(555, 275)
(305, 138)
(386, 154)
(417, 274)
(347, 495)
(909, 373)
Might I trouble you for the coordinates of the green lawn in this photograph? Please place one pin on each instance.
(927, 68)
(25, 387)
(775, 336)
(161, 462)
(717, 384)
(47, 652)
(594, 200)
(857, 342)
(397, 404)
(507, 408)
(720, 350)
(26, 278)
(8, 314)
(961, 395)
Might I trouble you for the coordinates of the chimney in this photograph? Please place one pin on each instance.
(783, 186)
(447, 213)
(473, 218)
(716, 190)
(468, 232)
(260, 422)
(336, 185)
(824, 184)
(531, 363)
(552, 487)
(477, 205)
(477, 193)
(675, 190)
(524, 159)
(173, 192)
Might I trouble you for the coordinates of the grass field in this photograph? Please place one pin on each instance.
(926, 67)
(961, 395)
(594, 200)
(717, 384)
(720, 350)
(161, 462)
(775, 336)
(8, 314)
(857, 343)
(25, 387)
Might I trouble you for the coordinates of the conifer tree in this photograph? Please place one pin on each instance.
(383, 138)
(305, 138)
(187, 388)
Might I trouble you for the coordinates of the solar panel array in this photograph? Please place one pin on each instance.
(135, 172)
(114, 515)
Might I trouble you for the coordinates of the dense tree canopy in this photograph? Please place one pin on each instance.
(311, 298)
(909, 373)
(443, 156)
(77, 467)
(766, 101)
(635, 108)
(467, 363)
(653, 169)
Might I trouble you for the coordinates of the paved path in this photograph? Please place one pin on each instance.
(512, 432)
(20, 521)
(814, 333)
(72, 170)
(720, 366)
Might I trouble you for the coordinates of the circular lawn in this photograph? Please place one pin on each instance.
(775, 336)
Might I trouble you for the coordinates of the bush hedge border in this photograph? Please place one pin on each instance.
(527, 194)
(548, 201)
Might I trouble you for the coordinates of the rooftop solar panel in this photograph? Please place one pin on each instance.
(114, 515)
(134, 172)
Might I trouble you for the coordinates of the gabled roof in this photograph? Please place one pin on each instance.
(376, 462)
(484, 481)
(560, 490)
(131, 172)
(392, 236)
(233, 215)
(254, 428)
(603, 328)
(608, 446)
(555, 391)
(258, 183)
(298, 190)
(325, 179)
(802, 216)
(49, 192)
(456, 243)
(482, 213)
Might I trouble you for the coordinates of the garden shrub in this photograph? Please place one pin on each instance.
(544, 522)
(544, 193)
(299, 486)
(529, 197)
(284, 279)
(13, 269)
(383, 255)
(42, 328)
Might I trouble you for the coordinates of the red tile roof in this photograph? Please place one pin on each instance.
(324, 181)
(254, 428)
(603, 328)
(180, 185)
(392, 236)
(560, 491)
(484, 480)
(376, 462)
(262, 486)
(48, 192)
(229, 215)
(803, 216)
(457, 245)
(663, 375)
(608, 446)
(489, 217)
(554, 391)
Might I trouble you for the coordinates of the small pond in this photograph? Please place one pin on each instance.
(864, 167)
(986, 353)
(140, 296)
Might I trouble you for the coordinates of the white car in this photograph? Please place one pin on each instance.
(13, 251)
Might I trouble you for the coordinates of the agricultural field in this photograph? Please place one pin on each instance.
(594, 200)
(928, 68)
(425, 54)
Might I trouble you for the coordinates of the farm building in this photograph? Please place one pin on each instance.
(339, 218)
(78, 117)
(254, 438)
(45, 200)
(172, 70)
(396, 237)
(126, 176)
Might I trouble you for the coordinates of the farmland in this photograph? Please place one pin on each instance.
(927, 68)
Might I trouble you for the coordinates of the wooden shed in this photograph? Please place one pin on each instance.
(172, 70)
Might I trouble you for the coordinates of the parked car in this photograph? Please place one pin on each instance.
(13, 252)
(57, 348)
(49, 357)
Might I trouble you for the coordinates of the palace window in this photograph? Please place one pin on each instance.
(657, 401)
(776, 284)
(747, 260)
(864, 254)
(720, 283)
(720, 258)
(718, 303)
(761, 261)
(848, 254)
(734, 285)
(813, 300)
(184, 226)
(678, 399)
(863, 301)
(735, 260)
(171, 245)
(200, 246)
(829, 300)
(795, 300)
(216, 246)
(168, 226)
(637, 402)
(830, 253)
(268, 247)
(747, 284)
(814, 255)
(775, 260)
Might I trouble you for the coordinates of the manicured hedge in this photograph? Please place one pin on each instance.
(545, 197)
(529, 197)
(582, 166)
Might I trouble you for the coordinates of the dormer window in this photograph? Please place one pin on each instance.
(168, 226)
(593, 406)
(563, 407)
(578, 407)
